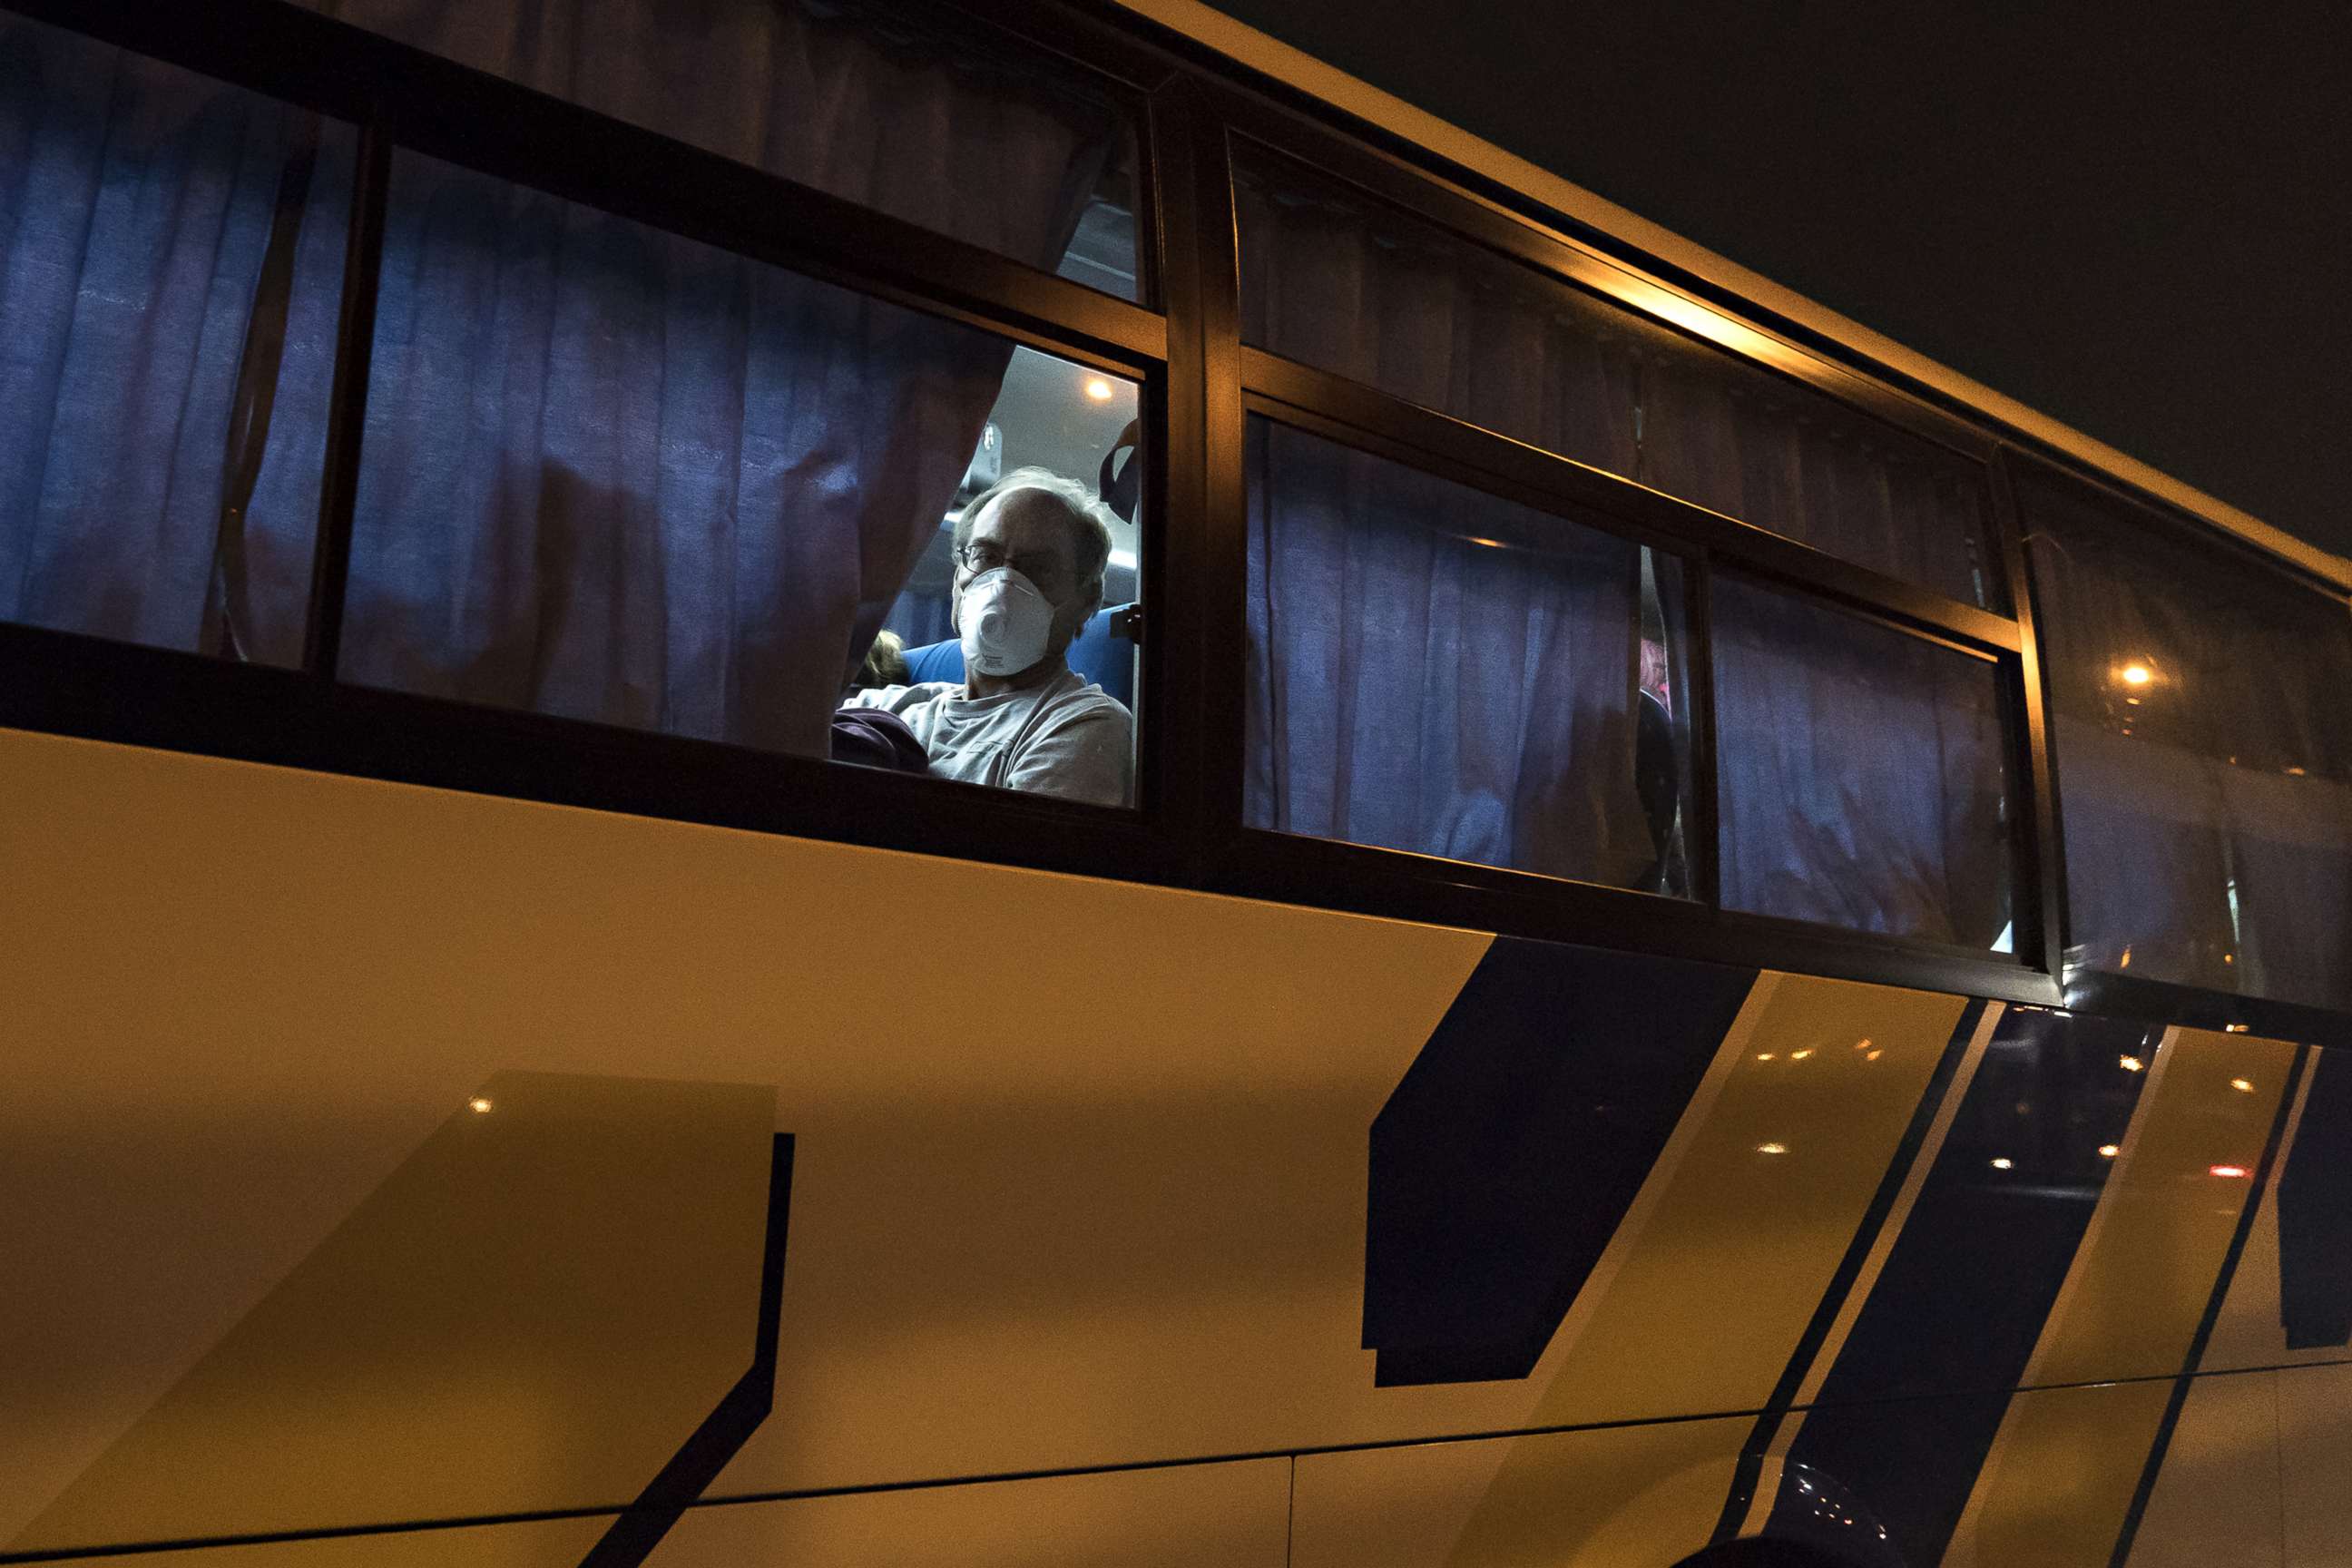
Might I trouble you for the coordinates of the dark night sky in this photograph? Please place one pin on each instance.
(2139, 222)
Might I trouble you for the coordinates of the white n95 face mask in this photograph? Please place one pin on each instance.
(1004, 623)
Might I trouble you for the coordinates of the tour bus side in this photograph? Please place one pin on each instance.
(1698, 942)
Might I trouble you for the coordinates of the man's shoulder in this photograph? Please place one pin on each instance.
(1081, 701)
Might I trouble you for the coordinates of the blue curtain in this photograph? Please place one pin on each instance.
(1860, 769)
(2204, 749)
(1436, 670)
(955, 131)
(606, 473)
(161, 433)
(1778, 455)
(1336, 279)
(616, 475)
(1413, 689)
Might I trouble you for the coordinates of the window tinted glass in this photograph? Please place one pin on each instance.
(170, 269)
(2203, 737)
(1436, 670)
(1338, 280)
(616, 475)
(958, 132)
(1862, 772)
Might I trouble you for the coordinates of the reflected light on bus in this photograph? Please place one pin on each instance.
(1772, 1148)
(1764, 1056)
(1098, 389)
(478, 1106)
(1696, 318)
(1874, 1056)
(2130, 1064)
(2242, 1085)
(2108, 1150)
(2227, 1173)
(1801, 1055)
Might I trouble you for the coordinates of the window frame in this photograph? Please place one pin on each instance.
(1448, 891)
(1200, 384)
(404, 99)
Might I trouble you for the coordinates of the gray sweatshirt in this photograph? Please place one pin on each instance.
(1067, 737)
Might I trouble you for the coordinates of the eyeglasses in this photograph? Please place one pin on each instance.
(1040, 566)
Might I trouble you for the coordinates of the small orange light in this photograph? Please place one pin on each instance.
(1764, 1057)
(2235, 1029)
(1863, 1043)
(2227, 1173)
(1874, 1056)
(1772, 1148)
(2126, 964)
(2003, 1163)
(2130, 1064)
(1801, 1055)
(478, 1106)
(2108, 1150)
(2242, 1085)
(2137, 675)
(1098, 389)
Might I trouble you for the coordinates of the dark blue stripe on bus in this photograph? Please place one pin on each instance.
(640, 1528)
(2215, 1299)
(1857, 1252)
(2315, 1212)
(1506, 1156)
(1967, 1287)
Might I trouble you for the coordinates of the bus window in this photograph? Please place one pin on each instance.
(169, 284)
(969, 135)
(1436, 670)
(2204, 746)
(1337, 280)
(616, 475)
(1862, 774)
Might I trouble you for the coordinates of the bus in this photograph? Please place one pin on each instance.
(1500, 896)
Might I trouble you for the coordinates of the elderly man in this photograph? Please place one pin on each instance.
(1029, 559)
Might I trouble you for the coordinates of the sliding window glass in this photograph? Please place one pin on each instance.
(1436, 670)
(1338, 280)
(1862, 779)
(170, 269)
(612, 473)
(2203, 731)
(895, 107)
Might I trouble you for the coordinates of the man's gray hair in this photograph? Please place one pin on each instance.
(1090, 521)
